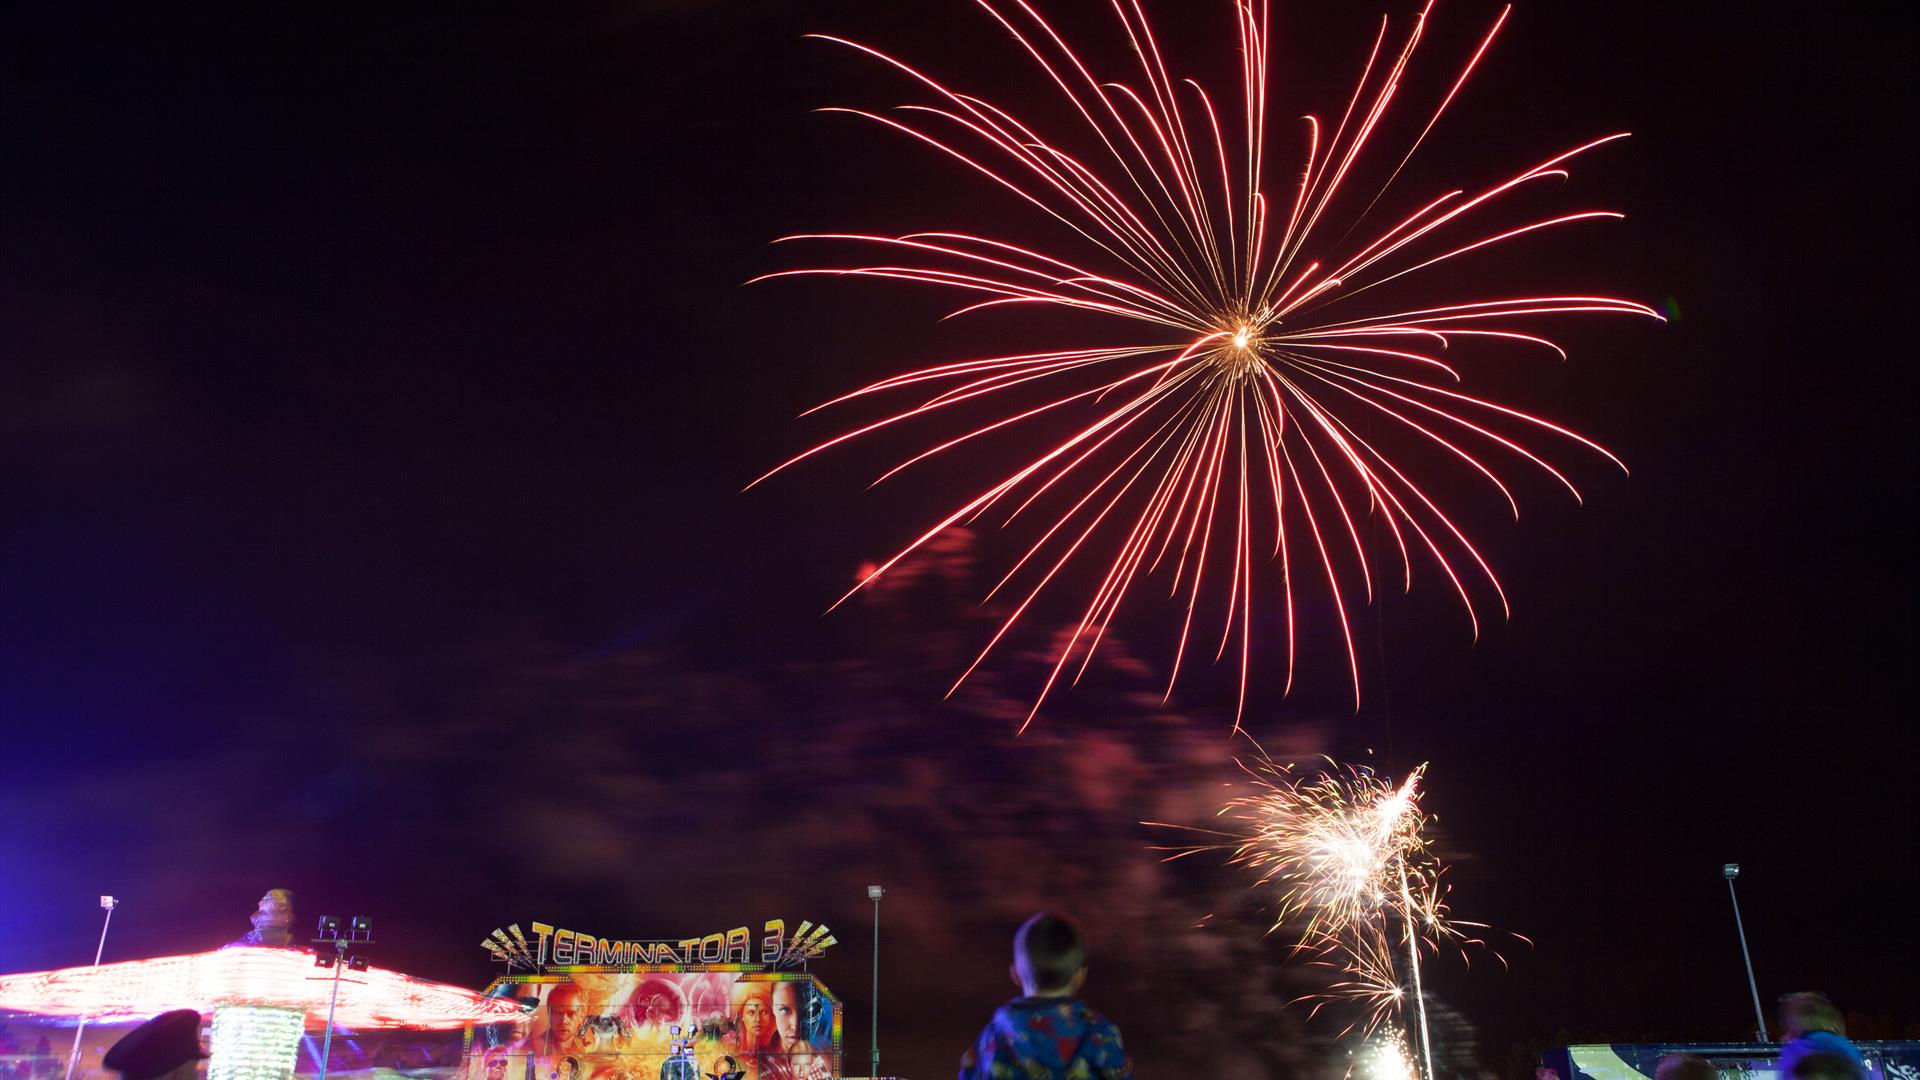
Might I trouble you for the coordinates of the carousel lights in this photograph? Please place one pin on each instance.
(370, 998)
(254, 1042)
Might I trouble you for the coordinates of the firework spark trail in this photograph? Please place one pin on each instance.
(1356, 881)
(1383, 1056)
(1248, 413)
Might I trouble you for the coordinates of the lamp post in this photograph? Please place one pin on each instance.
(1732, 870)
(359, 932)
(874, 893)
(107, 903)
(1413, 961)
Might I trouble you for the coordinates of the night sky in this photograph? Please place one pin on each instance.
(379, 388)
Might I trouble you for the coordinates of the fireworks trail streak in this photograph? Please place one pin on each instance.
(1255, 415)
(1356, 879)
(1383, 1056)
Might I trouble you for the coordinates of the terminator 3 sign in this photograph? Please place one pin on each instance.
(551, 947)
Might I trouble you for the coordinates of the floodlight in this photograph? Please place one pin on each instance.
(336, 953)
(1732, 870)
(875, 892)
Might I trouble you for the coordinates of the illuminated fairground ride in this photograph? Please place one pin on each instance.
(572, 1008)
(263, 1002)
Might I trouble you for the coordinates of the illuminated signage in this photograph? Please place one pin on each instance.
(674, 1021)
(552, 947)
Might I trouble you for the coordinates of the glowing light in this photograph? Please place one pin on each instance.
(1384, 1057)
(1261, 404)
(254, 1042)
(273, 978)
(1359, 887)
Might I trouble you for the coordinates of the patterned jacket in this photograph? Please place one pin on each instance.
(1040, 1038)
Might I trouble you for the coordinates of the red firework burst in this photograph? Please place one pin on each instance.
(1237, 431)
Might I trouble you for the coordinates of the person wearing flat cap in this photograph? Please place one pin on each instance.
(166, 1047)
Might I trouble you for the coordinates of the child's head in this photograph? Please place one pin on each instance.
(1807, 1012)
(1049, 956)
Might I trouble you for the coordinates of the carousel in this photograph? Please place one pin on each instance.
(275, 1007)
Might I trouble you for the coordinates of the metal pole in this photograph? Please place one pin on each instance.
(1732, 870)
(326, 1045)
(1413, 958)
(108, 902)
(874, 892)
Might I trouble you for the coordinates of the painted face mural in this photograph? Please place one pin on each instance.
(789, 1013)
(639, 1025)
(565, 1007)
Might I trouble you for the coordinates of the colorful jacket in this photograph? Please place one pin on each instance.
(1037, 1038)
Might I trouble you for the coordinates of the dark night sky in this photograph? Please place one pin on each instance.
(378, 392)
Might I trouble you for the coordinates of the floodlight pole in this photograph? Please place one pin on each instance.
(359, 932)
(1732, 870)
(326, 1045)
(874, 893)
(108, 903)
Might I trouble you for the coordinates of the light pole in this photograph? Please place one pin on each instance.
(359, 932)
(874, 893)
(1413, 961)
(107, 903)
(1732, 870)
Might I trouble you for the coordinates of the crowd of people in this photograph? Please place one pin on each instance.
(17, 1063)
(1048, 1033)
(1814, 1046)
(767, 1032)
